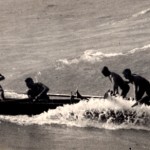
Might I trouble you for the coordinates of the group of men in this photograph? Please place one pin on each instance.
(37, 91)
(141, 85)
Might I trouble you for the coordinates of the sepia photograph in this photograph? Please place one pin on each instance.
(75, 74)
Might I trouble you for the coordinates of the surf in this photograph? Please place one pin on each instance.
(112, 113)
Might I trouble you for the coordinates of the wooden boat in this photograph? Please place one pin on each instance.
(15, 106)
(28, 107)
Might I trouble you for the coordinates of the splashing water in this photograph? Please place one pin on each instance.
(112, 113)
(144, 48)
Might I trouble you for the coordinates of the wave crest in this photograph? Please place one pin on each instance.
(94, 56)
(90, 56)
(139, 49)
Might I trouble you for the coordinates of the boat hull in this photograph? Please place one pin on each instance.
(27, 107)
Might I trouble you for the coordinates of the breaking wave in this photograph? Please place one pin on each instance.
(111, 113)
(139, 49)
(96, 56)
(93, 56)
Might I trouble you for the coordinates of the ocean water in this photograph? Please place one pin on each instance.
(65, 44)
(93, 124)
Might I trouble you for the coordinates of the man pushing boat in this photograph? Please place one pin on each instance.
(141, 86)
(117, 82)
(37, 91)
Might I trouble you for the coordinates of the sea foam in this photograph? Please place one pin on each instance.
(144, 48)
(94, 56)
(112, 113)
(89, 56)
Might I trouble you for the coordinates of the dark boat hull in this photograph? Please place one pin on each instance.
(27, 107)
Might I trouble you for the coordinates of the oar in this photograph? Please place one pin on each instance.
(67, 95)
(78, 95)
(49, 94)
(145, 100)
(59, 95)
(137, 103)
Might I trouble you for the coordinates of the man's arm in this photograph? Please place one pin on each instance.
(45, 89)
(114, 85)
(136, 92)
